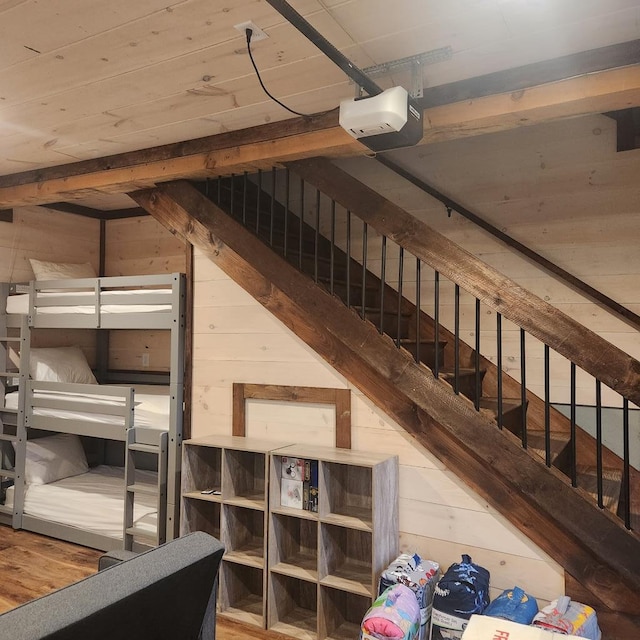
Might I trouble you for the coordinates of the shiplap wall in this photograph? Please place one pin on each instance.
(134, 246)
(141, 246)
(237, 340)
(562, 190)
(44, 234)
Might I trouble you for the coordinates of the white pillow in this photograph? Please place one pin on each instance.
(60, 364)
(60, 270)
(54, 458)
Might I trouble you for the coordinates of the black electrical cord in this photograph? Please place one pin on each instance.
(249, 33)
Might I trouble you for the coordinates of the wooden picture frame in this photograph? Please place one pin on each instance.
(340, 398)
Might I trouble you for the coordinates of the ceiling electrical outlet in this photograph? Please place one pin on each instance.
(257, 32)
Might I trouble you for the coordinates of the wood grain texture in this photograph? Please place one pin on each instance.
(340, 398)
(264, 146)
(33, 565)
(45, 235)
(502, 294)
(44, 564)
(516, 485)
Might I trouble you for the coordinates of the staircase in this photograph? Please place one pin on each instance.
(443, 391)
(552, 438)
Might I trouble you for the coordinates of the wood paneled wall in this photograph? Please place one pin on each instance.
(140, 246)
(237, 340)
(562, 190)
(134, 246)
(44, 234)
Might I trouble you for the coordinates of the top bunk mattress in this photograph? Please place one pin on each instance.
(126, 301)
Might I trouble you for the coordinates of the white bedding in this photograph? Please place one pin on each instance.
(151, 407)
(19, 304)
(92, 501)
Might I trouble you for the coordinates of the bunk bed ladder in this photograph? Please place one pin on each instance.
(12, 425)
(133, 448)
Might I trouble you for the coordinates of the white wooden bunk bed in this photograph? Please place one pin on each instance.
(144, 505)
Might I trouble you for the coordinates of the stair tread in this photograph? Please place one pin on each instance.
(372, 310)
(536, 442)
(587, 477)
(508, 404)
(447, 372)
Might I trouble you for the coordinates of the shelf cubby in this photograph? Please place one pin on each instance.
(200, 515)
(346, 559)
(244, 533)
(201, 471)
(347, 495)
(341, 614)
(293, 547)
(245, 478)
(242, 593)
(293, 607)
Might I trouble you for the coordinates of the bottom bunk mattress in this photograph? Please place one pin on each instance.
(92, 501)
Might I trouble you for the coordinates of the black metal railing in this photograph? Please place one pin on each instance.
(356, 263)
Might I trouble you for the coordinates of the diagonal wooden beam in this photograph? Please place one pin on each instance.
(267, 145)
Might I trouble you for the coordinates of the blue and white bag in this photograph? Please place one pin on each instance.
(462, 591)
(513, 604)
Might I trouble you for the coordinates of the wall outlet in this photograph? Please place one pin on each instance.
(257, 32)
(145, 360)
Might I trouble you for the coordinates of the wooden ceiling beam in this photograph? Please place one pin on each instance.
(266, 145)
(98, 214)
(613, 56)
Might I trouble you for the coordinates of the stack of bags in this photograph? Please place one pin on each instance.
(414, 605)
(403, 608)
(514, 614)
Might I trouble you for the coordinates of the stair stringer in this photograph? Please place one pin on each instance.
(589, 543)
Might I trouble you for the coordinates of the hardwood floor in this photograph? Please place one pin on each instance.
(32, 565)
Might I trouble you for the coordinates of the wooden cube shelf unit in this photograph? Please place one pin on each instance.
(224, 492)
(323, 567)
(308, 574)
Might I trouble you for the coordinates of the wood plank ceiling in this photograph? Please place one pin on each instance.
(83, 79)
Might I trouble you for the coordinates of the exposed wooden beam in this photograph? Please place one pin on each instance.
(98, 214)
(274, 143)
(587, 94)
(533, 75)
